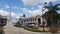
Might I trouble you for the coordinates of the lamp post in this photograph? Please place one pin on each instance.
(43, 17)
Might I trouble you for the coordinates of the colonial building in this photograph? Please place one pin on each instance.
(37, 20)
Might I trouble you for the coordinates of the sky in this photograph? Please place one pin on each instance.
(27, 7)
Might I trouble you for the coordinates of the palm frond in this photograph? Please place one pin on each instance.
(56, 6)
(47, 7)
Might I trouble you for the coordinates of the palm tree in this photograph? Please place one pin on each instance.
(59, 17)
(51, 15)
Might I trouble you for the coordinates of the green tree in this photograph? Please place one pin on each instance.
(59, 17)
(51, 15)
(18, 23)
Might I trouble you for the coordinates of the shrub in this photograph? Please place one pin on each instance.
(36, 29)
(1, 30)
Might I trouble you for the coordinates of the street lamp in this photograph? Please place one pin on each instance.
(42, 15)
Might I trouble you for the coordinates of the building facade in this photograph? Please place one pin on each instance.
(36, 20)
(3, 20)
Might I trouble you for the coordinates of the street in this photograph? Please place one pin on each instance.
(15, 30)
(10, 29)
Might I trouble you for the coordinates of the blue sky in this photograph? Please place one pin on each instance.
(20, 7)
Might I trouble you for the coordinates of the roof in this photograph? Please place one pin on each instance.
(30, 17)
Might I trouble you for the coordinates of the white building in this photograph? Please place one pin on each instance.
(37, 20)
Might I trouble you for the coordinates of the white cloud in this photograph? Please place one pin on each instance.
(13, 15)
(40, 6)
(18, 15)
(24, 9)
(4, 13)
(14, 7)
(36, 11)
(35, 2)
(7, 6)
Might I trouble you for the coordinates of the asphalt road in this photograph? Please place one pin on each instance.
(15, 30)
(10, 29)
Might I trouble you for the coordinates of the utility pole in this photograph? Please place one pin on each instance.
(10, 14)
(9, 23)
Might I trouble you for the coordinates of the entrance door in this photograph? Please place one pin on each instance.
(39, 21)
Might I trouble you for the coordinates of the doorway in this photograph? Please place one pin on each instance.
(39, 21)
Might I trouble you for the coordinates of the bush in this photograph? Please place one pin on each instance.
(36, 29)
(1, 30)
(18, 24)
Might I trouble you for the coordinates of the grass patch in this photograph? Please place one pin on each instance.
(58, 28)
(1, 30)
(37, 29)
